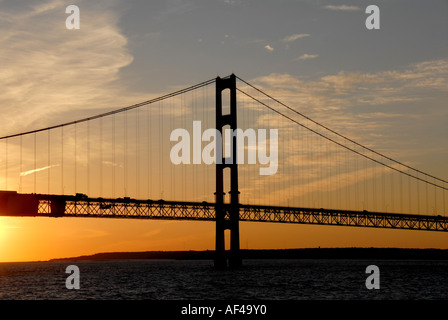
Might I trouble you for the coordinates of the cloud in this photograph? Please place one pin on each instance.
(377, 109)
(232, 2)
(307, 56)
(48, 70)
(342, 8)
(269, 48)
(347, 89)
(294, 37)
(112, 164)
(22, 174)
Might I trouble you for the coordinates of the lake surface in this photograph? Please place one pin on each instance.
(303, 279)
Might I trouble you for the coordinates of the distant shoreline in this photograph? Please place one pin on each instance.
(308, 253)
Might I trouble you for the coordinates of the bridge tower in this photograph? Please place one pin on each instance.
(227, 216)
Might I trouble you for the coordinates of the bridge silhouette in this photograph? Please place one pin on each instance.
(117, 165)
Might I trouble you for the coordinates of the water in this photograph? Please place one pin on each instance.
(197, 280)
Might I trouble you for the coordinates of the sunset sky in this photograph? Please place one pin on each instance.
(385, 88)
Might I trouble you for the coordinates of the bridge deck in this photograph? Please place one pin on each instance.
(41, 205)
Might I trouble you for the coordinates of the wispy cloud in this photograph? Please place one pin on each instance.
(59, 70)
(25, 173)
(342, 8)
(269, 48)
(295, 37)
(361, 105)
(112, 164)
(346, 89)
(232, 2)
(307, 56)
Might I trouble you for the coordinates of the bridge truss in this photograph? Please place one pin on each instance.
(42, 205)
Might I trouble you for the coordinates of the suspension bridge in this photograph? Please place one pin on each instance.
(117, 165)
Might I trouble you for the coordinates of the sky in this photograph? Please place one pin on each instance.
(386, 88)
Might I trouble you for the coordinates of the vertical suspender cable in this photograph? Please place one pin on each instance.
(125, 153)
(435, 198)
(35, 163)
(410, 194)
(171, 165)
(76, 158)
(88, 158)
(444, 206)
(148, 142)
(6, 164)
(375, 200)
(137, 154)
(101, 157)
(401, 194)
(418, 196)
(21, 168)
(48, 165)
(347, 181)
(114, 165)
(62, 160)
(392, 193)
(160, 151)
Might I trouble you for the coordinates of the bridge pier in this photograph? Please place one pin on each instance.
(227, 216)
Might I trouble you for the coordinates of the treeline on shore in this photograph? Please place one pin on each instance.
(308, 253)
